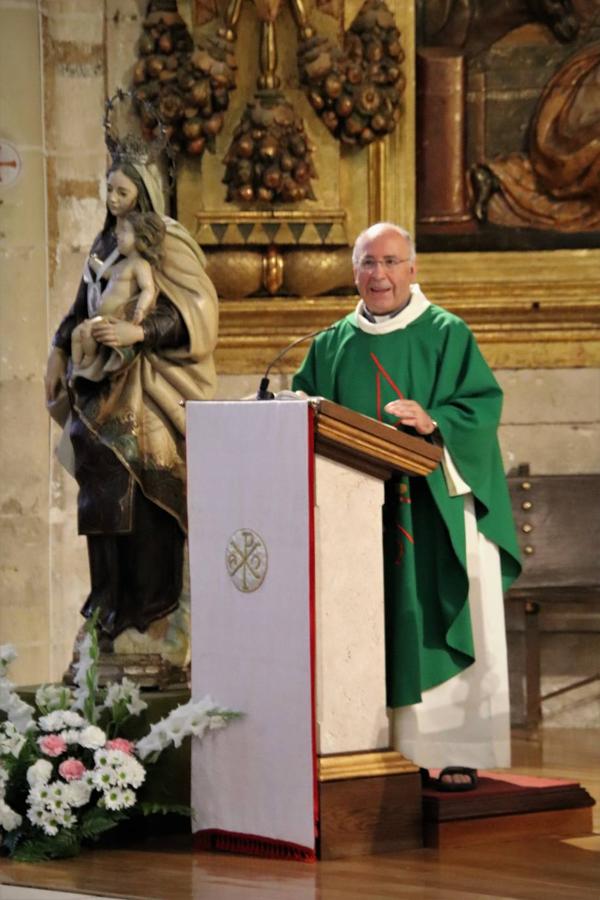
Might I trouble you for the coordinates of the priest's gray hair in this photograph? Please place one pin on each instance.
(374, 231)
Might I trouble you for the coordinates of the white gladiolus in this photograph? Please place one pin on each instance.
(193, 718)
(80, 670)
(7, 655)
(49, 697)
(11, 740)
(128, 693)
(149, 744)
(21, 715)
(17, 711)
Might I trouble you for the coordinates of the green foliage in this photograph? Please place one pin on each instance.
(97, 820)
(151, 809)
(17, 787)
(60, 846)
(24, 846)
(91, 675)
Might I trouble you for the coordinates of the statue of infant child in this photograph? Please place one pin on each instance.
(139, 241)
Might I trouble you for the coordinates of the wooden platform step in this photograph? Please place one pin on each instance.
(506, 807)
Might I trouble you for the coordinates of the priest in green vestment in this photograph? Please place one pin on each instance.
(449, 538)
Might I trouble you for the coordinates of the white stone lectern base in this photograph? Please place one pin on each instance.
(350, 634)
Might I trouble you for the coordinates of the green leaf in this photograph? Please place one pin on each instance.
(89, 706)
(61, 846)
(98, 820)
(150, 809)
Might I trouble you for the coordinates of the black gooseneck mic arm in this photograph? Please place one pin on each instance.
(263, 392)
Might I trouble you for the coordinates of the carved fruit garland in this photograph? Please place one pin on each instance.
(189, 87)
(270, 157)
(357, 91)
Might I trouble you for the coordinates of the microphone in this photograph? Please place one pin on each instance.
(263, 392)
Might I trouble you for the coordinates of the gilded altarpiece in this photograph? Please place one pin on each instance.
(284, 269)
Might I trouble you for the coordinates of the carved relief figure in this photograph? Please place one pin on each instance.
(474, 25)
(557, 184)
(515, 161)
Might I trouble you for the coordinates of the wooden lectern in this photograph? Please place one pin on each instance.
(286, 567)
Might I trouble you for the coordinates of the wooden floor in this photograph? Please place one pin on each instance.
(534, 869)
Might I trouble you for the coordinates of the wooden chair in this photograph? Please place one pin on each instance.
(558, 520)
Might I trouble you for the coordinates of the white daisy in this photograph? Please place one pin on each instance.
(117, 798)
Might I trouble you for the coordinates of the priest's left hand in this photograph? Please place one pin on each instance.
(411, 413)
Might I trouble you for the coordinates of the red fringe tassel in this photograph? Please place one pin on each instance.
(251, 845)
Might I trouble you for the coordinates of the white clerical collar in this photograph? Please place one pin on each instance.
(415, 307)
(371, 317)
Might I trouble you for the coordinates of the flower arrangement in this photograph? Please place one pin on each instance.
(67, 775)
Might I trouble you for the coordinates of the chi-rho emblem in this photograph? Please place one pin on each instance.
(246, 559)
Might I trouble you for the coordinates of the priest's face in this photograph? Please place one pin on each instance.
(384, 272)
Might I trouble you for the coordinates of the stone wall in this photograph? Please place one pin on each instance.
(25, 612)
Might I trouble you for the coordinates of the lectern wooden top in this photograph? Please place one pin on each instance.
(370, 446)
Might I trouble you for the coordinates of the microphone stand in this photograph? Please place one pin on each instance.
(263, 392)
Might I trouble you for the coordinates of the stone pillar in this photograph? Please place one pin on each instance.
(24, 570)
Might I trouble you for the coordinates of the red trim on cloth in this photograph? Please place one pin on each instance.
(391, 383)
(214, 839)
(312, 607)
(387, 377)
(406, 533)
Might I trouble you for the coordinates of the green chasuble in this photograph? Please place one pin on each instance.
(434, 360)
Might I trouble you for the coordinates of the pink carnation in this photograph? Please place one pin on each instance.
(119, 744)
(52, 744)
(71, 769)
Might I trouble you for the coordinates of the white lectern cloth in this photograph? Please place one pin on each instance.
(250, 503)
